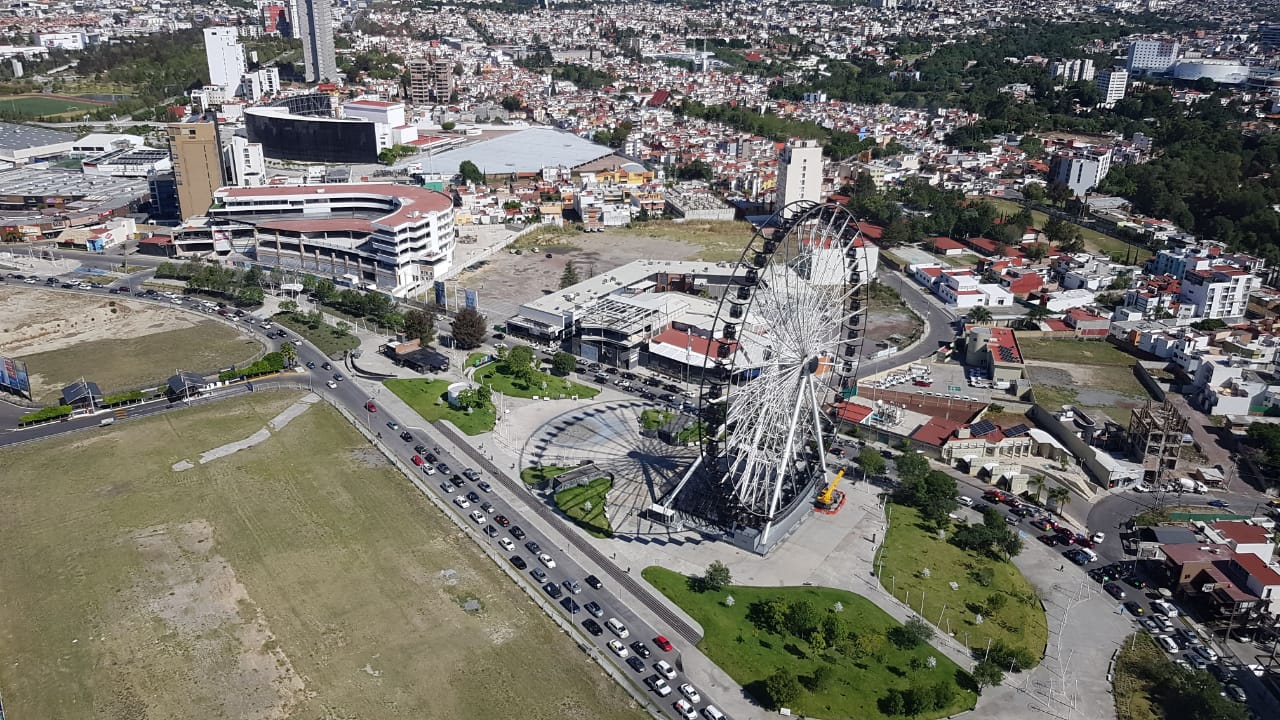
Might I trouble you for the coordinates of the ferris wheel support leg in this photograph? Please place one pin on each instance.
(817, 424)
(671, 496)
(783, 463)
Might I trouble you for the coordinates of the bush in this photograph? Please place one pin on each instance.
(46, 413)
(782, 688)
(123, 397)
(914, 633)
(1007, 657)
(717, 576)
(270, 363)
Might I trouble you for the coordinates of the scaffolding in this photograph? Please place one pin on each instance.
(1155, 438)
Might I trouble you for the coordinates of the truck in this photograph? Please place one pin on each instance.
(1191, 486)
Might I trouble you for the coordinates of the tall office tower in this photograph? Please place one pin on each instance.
(1152, 56)
(225, 55)
(197, 164)
(1112, 84)
(799, 173)
(316, 23)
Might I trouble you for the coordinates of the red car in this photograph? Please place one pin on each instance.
(417, 460)
(923, 383)
(663, 643)
(370, 406)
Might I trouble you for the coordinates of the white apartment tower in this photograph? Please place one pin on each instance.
(1152, 56)
(225, 56)
(315, 22)
(799, 173)
(246, 166)
(1112, 84)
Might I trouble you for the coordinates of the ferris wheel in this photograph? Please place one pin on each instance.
(788, 339)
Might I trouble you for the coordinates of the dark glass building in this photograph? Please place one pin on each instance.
(303, 129)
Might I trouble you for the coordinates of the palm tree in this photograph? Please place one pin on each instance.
(980, 314)
(289, 352)
(1034, 316)
(1059, 496)
(1037, 483)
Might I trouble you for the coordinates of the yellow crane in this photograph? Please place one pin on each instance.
(827, 497)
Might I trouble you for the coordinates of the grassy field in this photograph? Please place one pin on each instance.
(909, 549)
(426, 397)
(538, 475)
(1082, 352)
(135, 362)
(42, 105)
(1094, 241)
(301, 578)
(331, 341)
(1134, 692)
(718, 239)
(542, 385)
(585, 506)
(857, 685)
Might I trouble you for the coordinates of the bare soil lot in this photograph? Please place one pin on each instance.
(301, 577)
(119, 343)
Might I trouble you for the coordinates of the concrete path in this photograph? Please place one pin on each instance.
(274, 424)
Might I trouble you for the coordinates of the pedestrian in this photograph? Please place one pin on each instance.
(1060, 567)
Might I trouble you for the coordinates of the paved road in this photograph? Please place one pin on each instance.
(1111, 513)
(938, 320)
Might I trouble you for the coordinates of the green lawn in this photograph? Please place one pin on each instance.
(475, 358)
(860, 679)
(539, 475)
(39, 105)
(909, 549)
(1076, 352)
(426, 397)
(1132, 690)
(1094, 241)
(542, 384)
(585, 505)
(331, 341)
(652, 419)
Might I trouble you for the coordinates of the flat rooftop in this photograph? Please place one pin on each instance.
(21, 137)
(524, 151)
(67, 183)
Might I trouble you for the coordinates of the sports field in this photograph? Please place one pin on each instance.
(41, 105)
(301, 577)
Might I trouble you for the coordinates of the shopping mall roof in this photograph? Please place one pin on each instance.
(525, 151)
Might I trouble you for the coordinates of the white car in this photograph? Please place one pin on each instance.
(506, 544)
(331, 384)
(665, 670)
(1167, 643)
(965, 500)
(1098, 537)
(618, 648)
(690, 692)
(477, 516)
(659, 685)
(546, 560)
(686, 710)
(461, 502)
(428, 470)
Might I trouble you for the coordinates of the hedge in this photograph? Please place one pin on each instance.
(46, 413)
(270, 363)
(123, 397)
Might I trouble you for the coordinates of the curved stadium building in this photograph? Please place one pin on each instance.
(302, 128)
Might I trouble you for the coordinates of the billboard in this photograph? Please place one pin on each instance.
(472, 299)
(440, 296)
(13, 376)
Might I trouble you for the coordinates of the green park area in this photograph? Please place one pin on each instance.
(516, 376)
(1085, 352)
(1094, 241)
(918, 568)
(1147, 686)
(584, 505)
(34, 106)
(332, 341)
(539, 475)
(821, 652)
(427, 398)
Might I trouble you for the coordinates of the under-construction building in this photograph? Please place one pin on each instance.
(430, 80)
(1155, 438)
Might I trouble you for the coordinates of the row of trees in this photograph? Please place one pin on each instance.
(242, 287)
(931, 492)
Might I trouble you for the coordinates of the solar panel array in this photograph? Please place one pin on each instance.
(1017, 430)
(983, 427)
(1006, 354)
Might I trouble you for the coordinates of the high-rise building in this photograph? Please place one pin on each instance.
(246, 166)
(1079, 70)
(799, 173)
(197, 164)
(1152, 56)
(430, 80)
(315, 20)
(225, 56)
(1269, 34)
(1112, 84)
(1081, 170)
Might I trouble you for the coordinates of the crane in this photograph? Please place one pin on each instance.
(830, 500)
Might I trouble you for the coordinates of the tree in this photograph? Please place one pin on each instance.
(1059, 496)
(420, 325)
(912, 634)
(468, 328)
(980, 314)
(782, 688)
(511, 103)
(1058, 193)
(802, 618)
(519, 363)
(871, 462)
(470, 173)
(912, 467)
(898, 233)
(289, 306)
(768, 615)
(1037, 483)
(569, 277)
(1036, 251)
(1034, 192)
(717, 576)
(1034, 315)
(562, 363)
(987, 674)
(289, 352)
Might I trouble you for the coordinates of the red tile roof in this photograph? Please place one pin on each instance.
(946, 243)
(852, 412)
(1241, 532)
(935, 432)
(1260, 571)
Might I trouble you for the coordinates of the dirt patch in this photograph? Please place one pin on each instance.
(34, 321)
(210, 615)
(368, 457)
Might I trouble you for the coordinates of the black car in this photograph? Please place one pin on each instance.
(430, 456)
(516, 532)
(456, 480)
(640, 649)
(532, 546)
(519, 562)
(636, 664)
(311, 365)
(538, 574)
(473, 496)
(593, 627)
(594, 608)
(667, 398)
(652, 382)
(420, 449)
(1134, 608)
(570, 604)
(406, 436)
(66, 286)
(671, 388)
(591, 580)
(553, 590)
(486, 487)
(491, 531)
(443, 468)
(611, 370)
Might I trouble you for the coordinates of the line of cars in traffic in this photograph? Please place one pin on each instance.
(567, 592)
